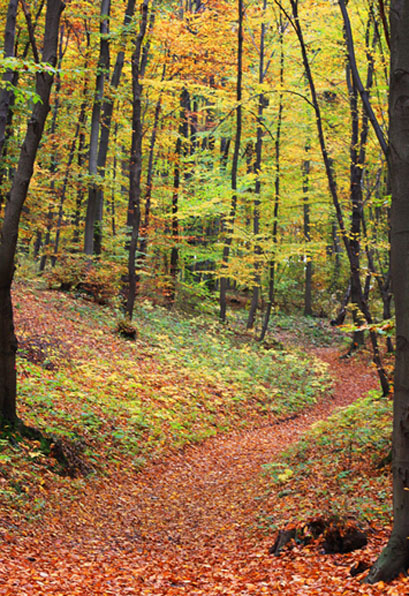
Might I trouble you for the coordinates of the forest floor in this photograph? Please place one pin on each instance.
(189, 521)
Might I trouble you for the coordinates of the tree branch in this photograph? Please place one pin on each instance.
(362, 91)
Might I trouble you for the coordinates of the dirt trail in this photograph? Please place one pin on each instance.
(184, 526)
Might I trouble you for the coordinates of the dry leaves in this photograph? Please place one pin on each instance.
(186, 524)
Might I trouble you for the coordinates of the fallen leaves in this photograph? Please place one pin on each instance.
(188, 523)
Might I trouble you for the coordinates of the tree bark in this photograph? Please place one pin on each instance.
(277, 158)
(8, 49)
(91, 225)
(149, 176)
(64, 188)
(17, 196)
(8, 100)
(307, 235)
(257, 190)
(395, 557)
(106, 120)
(135, 164)
(228, 223)
(54, 158)
(296, 24)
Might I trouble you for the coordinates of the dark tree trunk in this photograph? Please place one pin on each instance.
(64, 188)
(6, 94)
(106, 120)
(8, 349)
(8, 98)
(224, 153)
(114, 184)
(92, 228)
(356, 172)
(395, 557)
(149, 176)
(359, 138)
(363, 91)
(18, 194)
(257, 190)
(228, 223)
(54, 159)
(181, 148)
(277, 158)
(307, 235)
(296, 24)
(81, 154)
(80, 190)
(174, 253)
(135, 164)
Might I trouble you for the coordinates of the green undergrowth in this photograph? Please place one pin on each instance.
(308, 330)
(103, 401)
(341, 468)
(281, 381)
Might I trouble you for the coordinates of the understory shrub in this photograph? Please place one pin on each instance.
(99, 279)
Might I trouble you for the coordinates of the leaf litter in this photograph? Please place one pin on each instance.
(188, 522)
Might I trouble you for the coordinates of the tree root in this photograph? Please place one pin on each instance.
(393, 560)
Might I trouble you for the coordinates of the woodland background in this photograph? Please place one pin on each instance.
(202, 162)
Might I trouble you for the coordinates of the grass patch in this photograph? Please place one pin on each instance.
(120, 403)
(340, 467)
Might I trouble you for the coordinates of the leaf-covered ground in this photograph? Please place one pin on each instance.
(166, 510)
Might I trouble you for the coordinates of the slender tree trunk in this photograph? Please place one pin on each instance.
(135, 164)
(295, 22)
(395, 557)
(81, 154)
(336, 250)
(149, 176)
(181, 148)
(307, 235)
(18, 194)
(356, 170)
(174, 253)
(8, 99)
(6, 94)
(64, 188)
(106, 121)
(114, 183)
(228, 223)
(359, 137)
(54, 159)
(80, 189)
(257, 190)
(277, 157)
(92, 228)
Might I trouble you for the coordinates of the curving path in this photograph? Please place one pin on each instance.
(187, 525)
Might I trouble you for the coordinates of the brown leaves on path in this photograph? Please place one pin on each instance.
(185, 525)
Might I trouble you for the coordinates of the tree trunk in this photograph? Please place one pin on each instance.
(228, 223)
(102, 71)
(395, 557)
(64, 188)
(307, 235)
(181, 147)
(54, 158)
(257, 190)
(8, 349)
(106, 120)
(277, 157)
(18, 194)
(135, 164)
(8, 98)
(296, 24)
(174, 253)
(8, 51)
(149, 176)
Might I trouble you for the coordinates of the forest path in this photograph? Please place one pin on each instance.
(187, 525)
